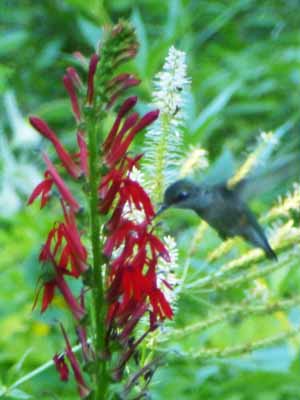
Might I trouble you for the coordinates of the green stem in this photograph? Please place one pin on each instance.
(230, 351)
(159, 179)
(243, 310)
(244, 348)
(98, 262)
(254, 256)
(35, 372)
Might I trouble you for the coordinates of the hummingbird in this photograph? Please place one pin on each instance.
(222, 208)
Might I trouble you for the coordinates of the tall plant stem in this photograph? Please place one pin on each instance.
(98, 261)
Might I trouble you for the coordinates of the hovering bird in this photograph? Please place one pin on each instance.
(222, 208)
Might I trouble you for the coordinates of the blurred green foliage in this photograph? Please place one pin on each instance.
(244, 60)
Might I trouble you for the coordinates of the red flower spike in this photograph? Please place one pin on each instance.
(83, 389)
(92, 70)
(68, 83)
(62, 153)
(61, 186)
(61, 366)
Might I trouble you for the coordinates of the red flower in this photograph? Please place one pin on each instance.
(66, 255)
(75, 78)
(43, 189)
(83, 389)
(61, 366)
(92, 70)
(161, 307)
(64, 241)
(58, 281)
(69, 85)
(120, 145)
(124, 109)
(41, 126)
(120, 84)
(61, 186)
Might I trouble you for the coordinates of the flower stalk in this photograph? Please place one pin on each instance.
(98, 262)
(119, 270)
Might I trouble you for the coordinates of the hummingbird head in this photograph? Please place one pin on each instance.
(180, 194)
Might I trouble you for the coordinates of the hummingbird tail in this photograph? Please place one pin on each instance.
(270, 253)
(257, 237)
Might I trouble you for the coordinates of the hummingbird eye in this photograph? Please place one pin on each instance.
(182, 196)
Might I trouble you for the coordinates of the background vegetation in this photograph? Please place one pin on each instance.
(244, 61)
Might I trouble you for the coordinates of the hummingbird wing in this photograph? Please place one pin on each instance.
(273, 178)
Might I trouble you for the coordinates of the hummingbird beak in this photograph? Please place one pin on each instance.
(161, 209)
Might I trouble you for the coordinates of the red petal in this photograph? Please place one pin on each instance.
(92, 70)
(82, 387)
(61, 186)
(118, 152)
(161, 307)
(126, 84)
(157, 246)
(75, 77)
(48, 294)
(61, 367)
(124, 109)
(75, 307)
(68, 83)
(129, 122)
(62, 153)
(42, 188)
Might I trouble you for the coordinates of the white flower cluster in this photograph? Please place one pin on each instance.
(163, 139)
(170, 84)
